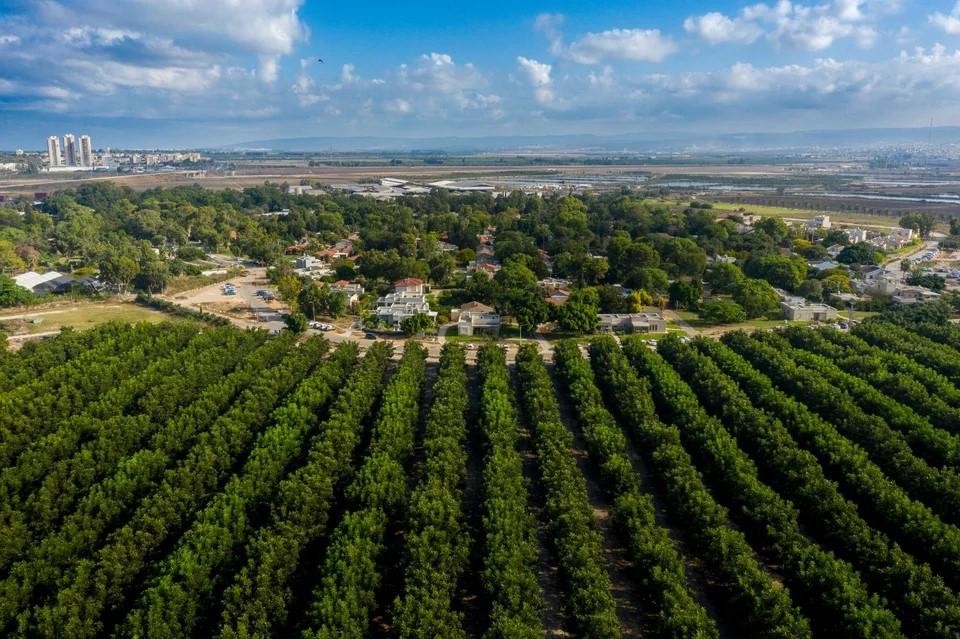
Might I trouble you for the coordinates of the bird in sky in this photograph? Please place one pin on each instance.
(321, 60)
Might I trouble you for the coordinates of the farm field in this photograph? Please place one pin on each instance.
(81, 315)
(159, 480)
(836, 216)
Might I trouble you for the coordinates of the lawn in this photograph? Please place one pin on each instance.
(79, 316)
(693, 319)
(837, 217)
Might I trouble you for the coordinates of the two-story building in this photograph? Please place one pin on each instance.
(632, 323)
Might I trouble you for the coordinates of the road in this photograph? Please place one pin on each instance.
(894, 263)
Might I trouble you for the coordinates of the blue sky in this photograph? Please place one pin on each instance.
(185, 73)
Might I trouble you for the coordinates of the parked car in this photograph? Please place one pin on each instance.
(370, 335)
(262, 293)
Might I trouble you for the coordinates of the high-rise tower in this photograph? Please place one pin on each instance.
(70, 150)
(53, 152)
(86, 151)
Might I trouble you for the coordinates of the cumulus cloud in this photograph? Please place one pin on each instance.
(715, 28)
(807, 27)
(647, 45)
(537, 75)
(950, 23)
(158, 49)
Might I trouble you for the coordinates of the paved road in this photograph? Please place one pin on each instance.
(894, 263)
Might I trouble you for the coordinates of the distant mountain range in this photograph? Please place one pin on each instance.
(629, 142)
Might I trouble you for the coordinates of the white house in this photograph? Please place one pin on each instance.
(474, 318)
(352, 290)
(856, 235)
(806, 311)
(632, 323)
(408, 299)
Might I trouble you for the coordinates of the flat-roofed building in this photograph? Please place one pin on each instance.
(807, 311)
(632, 323)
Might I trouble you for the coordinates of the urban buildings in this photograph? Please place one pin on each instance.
(86, 151)
(71, 158)
(74, 154)
(54, 154)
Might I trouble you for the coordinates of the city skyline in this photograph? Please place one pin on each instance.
(173, 75)
(75, 152)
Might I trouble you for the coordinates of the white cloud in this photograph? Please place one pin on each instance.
(807, 27)
(398, 105)
(537, 75)
(346, 73)
(269, 68)
(716, 28)
(550, 25)
(9, 40)
(950, 23)
(648, 45)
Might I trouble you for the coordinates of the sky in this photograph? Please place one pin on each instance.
(203, 73)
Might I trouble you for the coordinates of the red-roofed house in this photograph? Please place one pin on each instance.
(558, 297)
(409, 286)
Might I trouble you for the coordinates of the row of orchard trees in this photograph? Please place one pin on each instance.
(89, 589)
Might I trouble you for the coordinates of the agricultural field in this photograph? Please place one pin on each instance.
(159, 480)
(80, 315)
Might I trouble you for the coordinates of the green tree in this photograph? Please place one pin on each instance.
(289, 287)
(518, 295)
(579, 314)
(783, 271)
(859, 253)
(811, 290)
(722, 312)
(922, 223)
(685, 294)
(296, 322)
(152, 277)
(724, 277)
(119, 270)
(416, 324)
(756, 297)
(775, 228)
(11, 294)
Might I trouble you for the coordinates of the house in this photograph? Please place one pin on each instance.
(825, 265)
(408, 299)
(474, 318)
(806, 311)
(819, 222)
(914, 295)
(748, 219)
(835, 249)
(557, 297)
(485, 250)
(722, 259)
(409, 286)
(352, 290)
(308, 263)
(632, 323)
(856, 235)
(447, 247)
(553, 283)
(341, 250)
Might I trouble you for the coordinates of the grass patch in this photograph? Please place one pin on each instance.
(81, 317)
(838, 217)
